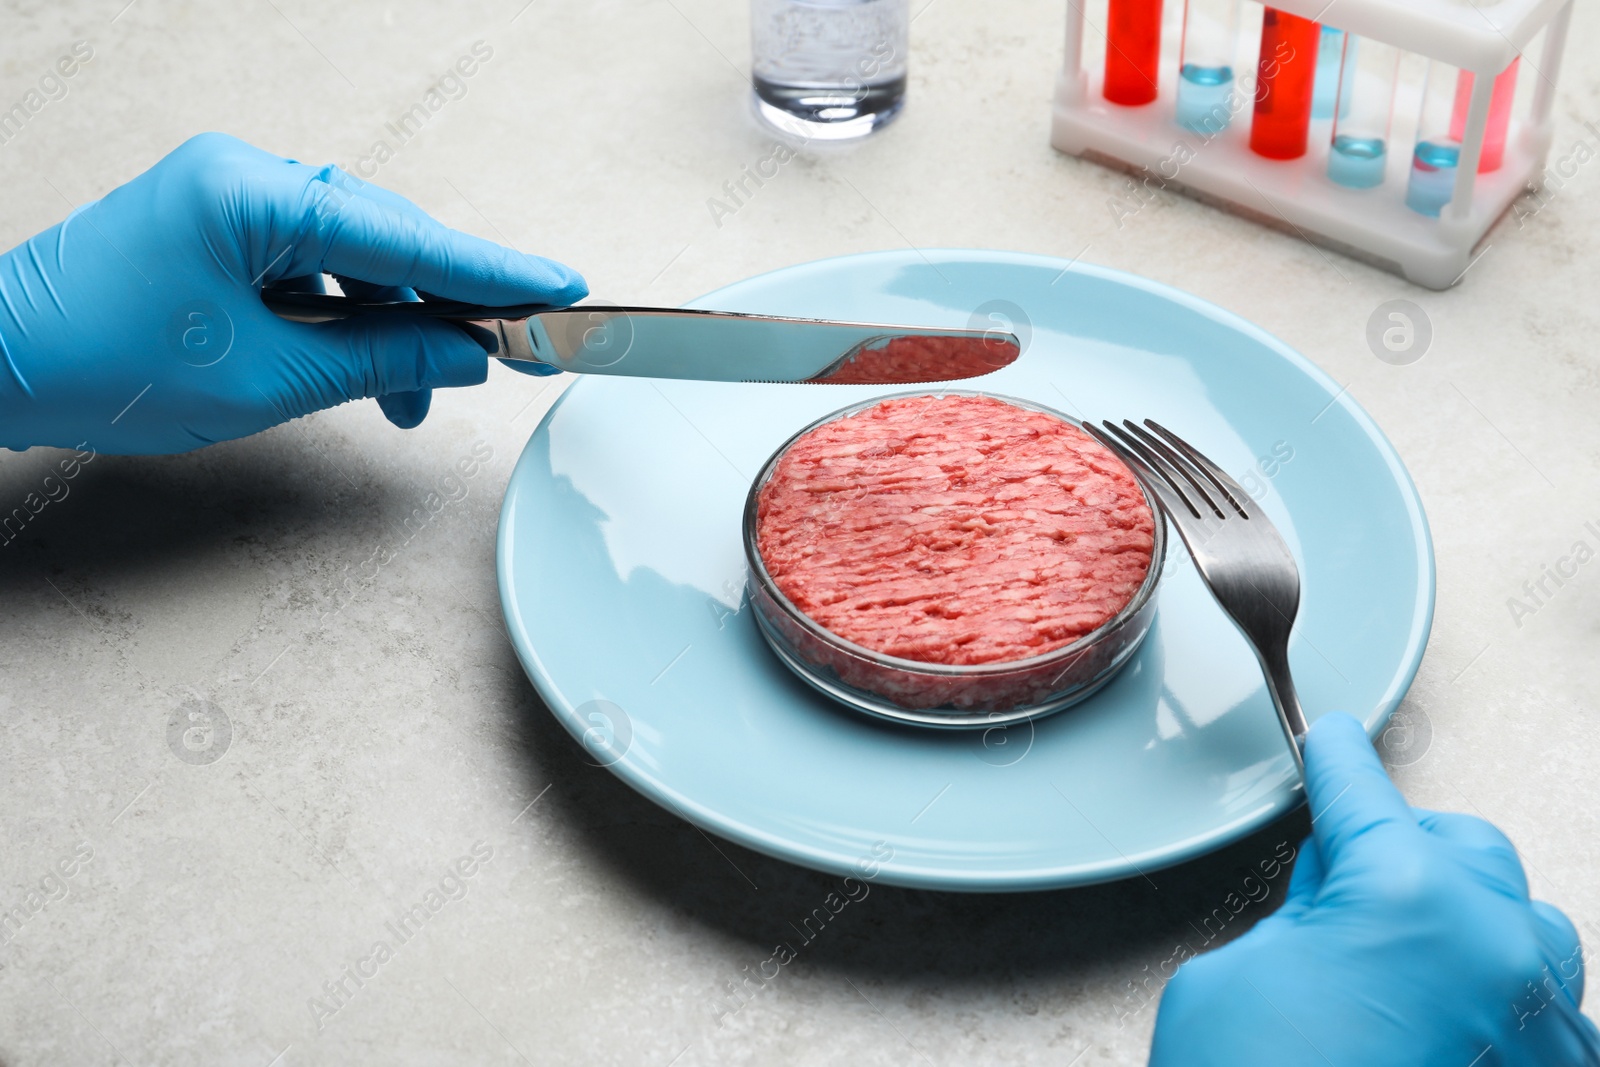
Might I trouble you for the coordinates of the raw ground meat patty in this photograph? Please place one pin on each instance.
(924, 359)
(956, 530)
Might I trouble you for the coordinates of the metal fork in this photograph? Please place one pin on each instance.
(1238, 552)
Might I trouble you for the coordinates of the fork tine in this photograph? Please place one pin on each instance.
(1241, 500)
(1139, 457)
(1177, 463)
(1156, 482)
(1122, 452)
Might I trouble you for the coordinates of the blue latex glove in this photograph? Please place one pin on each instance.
(136, 326)
(1407, 939)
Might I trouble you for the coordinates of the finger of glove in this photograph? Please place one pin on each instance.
(359, 237)
(388, 198)
(1305, 882)
(1563, 949)
(378, 194)
(1353, 804)
(1587, 1038)
(384, 354)
(406, 410)
(530, 367)
(1481, 847)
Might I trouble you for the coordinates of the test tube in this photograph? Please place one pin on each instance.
(1205, 66)
(1133, 51)
(1286, 73)
(1438, 154)
(1363, 112)
(1494, 135)
(1332, 69)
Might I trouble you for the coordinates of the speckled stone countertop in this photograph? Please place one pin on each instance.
(197, 910)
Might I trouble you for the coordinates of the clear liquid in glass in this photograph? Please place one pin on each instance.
(829, 69)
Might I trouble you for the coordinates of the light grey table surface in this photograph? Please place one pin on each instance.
(219, 900)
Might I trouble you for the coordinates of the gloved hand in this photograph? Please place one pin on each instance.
(1407, 939)
(136, 326)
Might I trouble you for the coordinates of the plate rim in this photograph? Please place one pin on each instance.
(988, 880)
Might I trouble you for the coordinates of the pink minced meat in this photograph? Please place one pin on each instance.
(954, 530)
(920, 358)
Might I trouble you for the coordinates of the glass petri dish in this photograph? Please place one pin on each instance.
(938, 694)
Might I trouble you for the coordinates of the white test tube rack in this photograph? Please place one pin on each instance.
(1297, 196)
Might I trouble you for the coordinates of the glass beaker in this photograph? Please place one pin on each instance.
(829, 69)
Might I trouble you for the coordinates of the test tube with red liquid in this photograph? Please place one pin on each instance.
(1133, 51)
(1494, 135)
(1286, 73)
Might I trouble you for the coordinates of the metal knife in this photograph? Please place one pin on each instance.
(719, 346)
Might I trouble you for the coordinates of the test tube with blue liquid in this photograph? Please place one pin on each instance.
(1205, 66)
(1362, 112)
(1437, 155)
(1333, 70)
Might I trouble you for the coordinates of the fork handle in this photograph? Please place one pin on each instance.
(1280, 684)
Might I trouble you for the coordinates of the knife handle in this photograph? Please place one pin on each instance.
(502, 331)
(326, 307)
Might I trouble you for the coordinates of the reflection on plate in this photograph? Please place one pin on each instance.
(622, 581)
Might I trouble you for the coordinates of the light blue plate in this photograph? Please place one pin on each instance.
(621, 579)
